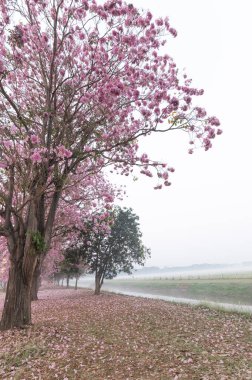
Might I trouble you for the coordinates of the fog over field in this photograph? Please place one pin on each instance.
(236, 270)
(240, 270)
(228, 287)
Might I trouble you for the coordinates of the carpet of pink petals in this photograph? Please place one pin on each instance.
(79, 336)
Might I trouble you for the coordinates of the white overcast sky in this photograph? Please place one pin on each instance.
(206, 215)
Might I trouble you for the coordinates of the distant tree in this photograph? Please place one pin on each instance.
(72, 266)
(109, 253)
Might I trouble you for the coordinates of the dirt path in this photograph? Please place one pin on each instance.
(78, 336)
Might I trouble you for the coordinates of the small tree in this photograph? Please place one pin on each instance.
(73, 265)
(109, 253)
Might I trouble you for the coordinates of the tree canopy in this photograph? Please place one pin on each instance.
(109, 252)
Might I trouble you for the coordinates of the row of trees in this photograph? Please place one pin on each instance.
(104, 251)
(80, 84)
(73, 265)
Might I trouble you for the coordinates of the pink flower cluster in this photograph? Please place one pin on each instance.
(62, 152)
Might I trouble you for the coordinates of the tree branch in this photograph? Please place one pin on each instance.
(3, 231)
(9, 199)
(14, 106)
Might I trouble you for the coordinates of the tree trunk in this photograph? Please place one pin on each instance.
(17, 305)
(68, 281)
(76, 282)
(97, 285)
(36, 282)
(24, 244)
(62, 282)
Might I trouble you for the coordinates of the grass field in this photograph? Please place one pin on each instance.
(227, 289)
(79, 336)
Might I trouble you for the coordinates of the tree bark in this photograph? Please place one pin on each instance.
(68, 281)
(76, 282)
(24, 250)
(23, 259)
(97, 285)
(17, 305)
(36, 282)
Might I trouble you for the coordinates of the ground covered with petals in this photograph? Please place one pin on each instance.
(77, 335)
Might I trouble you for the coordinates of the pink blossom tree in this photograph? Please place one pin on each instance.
(76, 204)
(79, 84)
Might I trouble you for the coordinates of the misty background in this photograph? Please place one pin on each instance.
(206, 215)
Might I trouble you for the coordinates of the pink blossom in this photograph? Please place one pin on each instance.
(175, 103)
(200, 112)
(171, 169)
(211, 134)
(36, 157)
(187, 99)
(173, 32)
(166, 183)
(159, 22)
(34, 139)
(214, 121)
(87, 149)
(207, 143)
(165, 175)
(3, 165)
(62, 152)
(7, 144)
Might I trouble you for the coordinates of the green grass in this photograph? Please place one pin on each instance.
(228, 290)
(23, 354)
